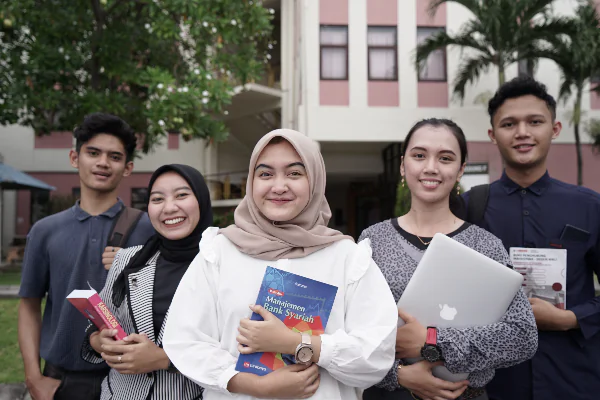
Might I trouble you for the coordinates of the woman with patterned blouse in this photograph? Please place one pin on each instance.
(433, 161)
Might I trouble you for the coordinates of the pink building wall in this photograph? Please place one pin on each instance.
(55, 140)
(383, 93)
(334, 93)
(423, 18)
(64, 183)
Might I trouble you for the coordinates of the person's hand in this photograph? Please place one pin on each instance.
(104, 337)
(270, 335)
(419, 379)
(43, 387)
(294, 381)
(137, 355)
(109, 256)
(410, 337)
(550, 318)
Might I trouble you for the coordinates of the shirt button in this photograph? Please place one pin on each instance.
(523, 191)
(525, 212)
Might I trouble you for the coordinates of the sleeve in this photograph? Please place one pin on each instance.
(588, 313)
(361, 354)
(87, 351)
(35, 272)
(192, 339)
(508, 342)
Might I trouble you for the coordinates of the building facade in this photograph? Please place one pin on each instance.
(342, 71)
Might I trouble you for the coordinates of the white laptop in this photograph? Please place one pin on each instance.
(454, 286)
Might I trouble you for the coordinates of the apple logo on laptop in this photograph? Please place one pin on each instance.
(448, 313)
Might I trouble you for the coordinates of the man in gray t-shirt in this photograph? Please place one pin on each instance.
(64, 253)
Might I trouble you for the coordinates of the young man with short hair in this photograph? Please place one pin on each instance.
(528, 208)
(64, 253)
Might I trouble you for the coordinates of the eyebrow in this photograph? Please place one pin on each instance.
(294, 164)
(100, 150)
(425, 150)
(176, 189)
(527, 116)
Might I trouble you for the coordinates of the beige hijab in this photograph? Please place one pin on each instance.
(255, 235)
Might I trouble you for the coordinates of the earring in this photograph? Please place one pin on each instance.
(458, 188)
(402, 181)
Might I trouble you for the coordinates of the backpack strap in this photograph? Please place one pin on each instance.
(478, 199)
(123, 225)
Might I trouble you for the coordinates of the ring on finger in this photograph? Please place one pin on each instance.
(120, 359)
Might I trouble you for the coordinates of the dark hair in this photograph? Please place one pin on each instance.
(457, 205)
(97, 123)
(519, 87)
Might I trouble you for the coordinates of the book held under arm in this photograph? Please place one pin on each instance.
(89, 303)
(303, 304)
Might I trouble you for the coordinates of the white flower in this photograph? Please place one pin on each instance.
(147, 26)
(268, 56)
(205, 24)
(196, 71)
(101, 70)
(185, 89)
(250, 2)
(208, 76)
(205, 93)
(233, 22)
(179, 90)
(170, 89)
(226, 112)
(160, 86)
(205, 100)
(61, 50)
(67, 57)
(214, 30)
(270, 46)
(1, 101)
(271, 11)
(161, 122)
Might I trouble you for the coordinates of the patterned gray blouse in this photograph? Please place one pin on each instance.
(479, 350)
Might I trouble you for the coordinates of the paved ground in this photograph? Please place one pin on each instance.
(15, 391)
(9, 292)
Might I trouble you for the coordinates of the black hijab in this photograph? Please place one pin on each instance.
(179, 251)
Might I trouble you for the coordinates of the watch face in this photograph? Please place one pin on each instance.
(305, 354)
(430, 353)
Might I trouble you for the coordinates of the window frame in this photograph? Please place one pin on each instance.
(331, 46)
(445, 80)
(394, 48)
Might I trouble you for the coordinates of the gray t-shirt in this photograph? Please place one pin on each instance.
(479, 350)
(64, 253)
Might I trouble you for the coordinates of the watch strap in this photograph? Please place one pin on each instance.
(431, 336)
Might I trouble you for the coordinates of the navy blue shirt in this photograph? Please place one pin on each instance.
(567, 364)
(64, 253)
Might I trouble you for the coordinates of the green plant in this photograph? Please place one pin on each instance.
(223, 219)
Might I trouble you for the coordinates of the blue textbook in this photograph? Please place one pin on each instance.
(302, 304)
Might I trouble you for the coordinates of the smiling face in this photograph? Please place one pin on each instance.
(431, 165)
(523, 129)
(173, 208)
(280, 187)
(101, 163)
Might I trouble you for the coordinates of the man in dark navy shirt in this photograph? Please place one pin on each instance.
(64, 253)
(527, 208)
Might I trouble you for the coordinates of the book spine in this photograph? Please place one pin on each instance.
(107, 316)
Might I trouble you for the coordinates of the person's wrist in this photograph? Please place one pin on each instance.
(32, 378)
(293, 341)
(568, 320)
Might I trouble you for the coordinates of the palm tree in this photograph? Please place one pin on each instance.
(578, 58)
(502, 32)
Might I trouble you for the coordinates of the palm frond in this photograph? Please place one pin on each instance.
(441, 40)
(469, 72)
(472, 5)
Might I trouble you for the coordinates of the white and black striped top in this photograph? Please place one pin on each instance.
(135, 315)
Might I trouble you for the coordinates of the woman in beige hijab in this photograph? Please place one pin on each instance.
(281, 223)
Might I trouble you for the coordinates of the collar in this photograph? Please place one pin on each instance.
(81, 215)
(537, 188)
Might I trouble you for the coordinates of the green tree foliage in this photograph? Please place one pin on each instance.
(162, 65)
(578, 59)
(500, 33)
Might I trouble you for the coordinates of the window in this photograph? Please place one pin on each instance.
(383, 53)
(139, 198)
(435, 67)
(334, 52)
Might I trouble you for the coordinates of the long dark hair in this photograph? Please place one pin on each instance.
(457, 205)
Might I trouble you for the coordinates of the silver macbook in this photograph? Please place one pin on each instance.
(454, 286)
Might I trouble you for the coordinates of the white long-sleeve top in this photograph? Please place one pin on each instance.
(357, 348)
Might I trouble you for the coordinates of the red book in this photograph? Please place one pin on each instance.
(89, 303)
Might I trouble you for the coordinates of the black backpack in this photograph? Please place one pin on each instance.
(478, 199)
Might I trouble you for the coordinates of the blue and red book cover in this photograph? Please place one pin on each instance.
(303, 304)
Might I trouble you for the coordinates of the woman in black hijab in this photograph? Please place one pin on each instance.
(141, 284)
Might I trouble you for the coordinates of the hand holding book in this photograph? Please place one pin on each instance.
(270, 335)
